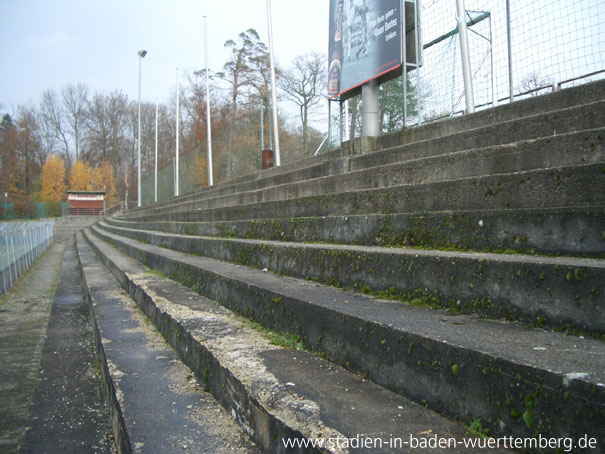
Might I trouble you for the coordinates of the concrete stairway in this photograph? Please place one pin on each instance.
(455, 270)
(68, 226)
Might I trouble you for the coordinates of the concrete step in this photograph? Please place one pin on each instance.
(548, 126)
(544, 188)
(549, 291)
(545, 138)
(575, 231)
(66, 413)
(586, 147)
(277, 395)
(156, 404)
(513, 114)
(517, 381)
(571, 97)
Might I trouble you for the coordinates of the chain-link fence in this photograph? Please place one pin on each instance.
(517, 48)
(21, 243)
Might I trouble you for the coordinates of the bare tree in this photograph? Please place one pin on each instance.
(106, 128)
(28, 146)
(532, 83)
(304, 85)
(53, 124)
(75, 101)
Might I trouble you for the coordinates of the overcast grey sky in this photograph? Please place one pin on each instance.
(47, 44)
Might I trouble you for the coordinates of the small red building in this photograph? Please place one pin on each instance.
(85, 203)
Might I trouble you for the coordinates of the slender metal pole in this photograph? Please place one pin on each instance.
(510, 53)
(262, 127)
(404, 72)
(155, 170)
(341, 121)
(139, 141)
(329, 124)
(493, 72)
(176, 165)
(347, 124)
(466, 62)
(417, 60)
(273, 87)
(208, 127)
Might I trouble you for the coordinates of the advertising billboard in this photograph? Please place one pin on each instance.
(365, 42)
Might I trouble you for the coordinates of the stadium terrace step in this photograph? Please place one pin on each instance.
(279, 396)
(567, 231)
(540, 125)
(550, 116)
(517, 381)
(155, 403)
(581, 148)
(551, 291)
(543, 188)
(527, 144)
(563, 99)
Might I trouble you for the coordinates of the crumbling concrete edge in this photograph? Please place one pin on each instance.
(118, 425)
(263, 421)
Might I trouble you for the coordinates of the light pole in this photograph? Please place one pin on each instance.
(273, 87)
(176, 158)
(142, 54)
(155, 168)
(208, 126)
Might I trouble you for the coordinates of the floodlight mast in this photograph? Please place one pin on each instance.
(208, 126)
(273, 87)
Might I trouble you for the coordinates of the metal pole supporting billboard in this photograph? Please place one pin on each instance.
(208, 127)
(273, 87)
(369, 109)
(466, 62)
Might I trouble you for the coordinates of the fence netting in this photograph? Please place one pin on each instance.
(21, 243)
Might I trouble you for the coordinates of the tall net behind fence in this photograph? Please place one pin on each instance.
(553, 44)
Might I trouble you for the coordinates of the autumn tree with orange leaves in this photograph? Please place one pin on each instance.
(103, 179)
(79, 177)
(53, 179)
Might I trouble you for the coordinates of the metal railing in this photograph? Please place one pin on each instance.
(21, 243)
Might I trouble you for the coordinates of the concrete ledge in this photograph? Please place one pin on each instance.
(118, 425)
(567, 98)
(547, 126)
(274, 394)
(556, 292)
(544, 188)
(587, 147)
(549, 140)
(522, 381)
(304, 164)
(543, 120)
(159, 407)
(569, 231)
